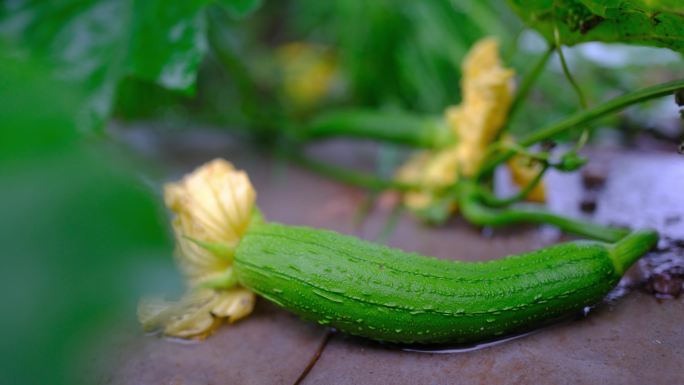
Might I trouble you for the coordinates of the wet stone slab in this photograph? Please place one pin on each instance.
(638, 190)
(274, 347)
(635, 339)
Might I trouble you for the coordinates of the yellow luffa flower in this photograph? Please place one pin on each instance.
(487, 90)
(213, 207)
(309, 73)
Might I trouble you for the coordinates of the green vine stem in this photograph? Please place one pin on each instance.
(491, 200)
(344, 175)
(582, 117)
(566, 70)
(477, 213)
(525, 86)
(632, 247)
(395, 127)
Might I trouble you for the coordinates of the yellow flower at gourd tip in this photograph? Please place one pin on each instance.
(213, 207)
(487, 93)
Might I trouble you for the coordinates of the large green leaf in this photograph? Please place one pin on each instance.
(100, 42)
(657, 23)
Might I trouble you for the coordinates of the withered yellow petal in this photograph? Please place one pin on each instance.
(197, 312)
(234, 304)
(188, 317)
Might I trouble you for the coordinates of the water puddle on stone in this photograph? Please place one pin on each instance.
(636, 190)
(466, 348)
(469, 348)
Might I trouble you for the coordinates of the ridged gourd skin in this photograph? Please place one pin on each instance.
(390, 295)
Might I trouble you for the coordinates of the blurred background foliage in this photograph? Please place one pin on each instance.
(263, 68)
(387, 55)
(81, 220)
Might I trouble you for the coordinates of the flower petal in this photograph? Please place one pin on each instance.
(217, 201)
(213, 207)
(188, 317)
(523, 171)
(234, 304)
(214, 204)
(487, 95)
(196, 262)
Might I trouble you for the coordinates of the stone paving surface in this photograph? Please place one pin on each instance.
(631, 340)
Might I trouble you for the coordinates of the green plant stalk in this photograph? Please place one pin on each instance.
(401, 128)
(583, 117)
(489, 199)
(386, 294)
(525, 86)
(630, 248)
(566, 71)
(390, 224)
(344, 175)
(477, 213)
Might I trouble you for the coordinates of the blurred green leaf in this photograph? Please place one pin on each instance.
(240, 8)
(78, 230)
(100, 42)
(41, 132)
(141, 99)
(644, 22)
